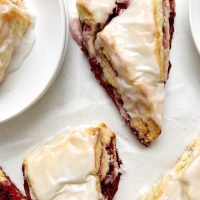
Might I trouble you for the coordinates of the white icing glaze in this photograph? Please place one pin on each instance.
(63, 168)
(7, 36)
(191, 180)
(173, 189)
(130, 41)
(100, 9)
(180, 187)
(10, 37)
(23, 49)
(186, 186)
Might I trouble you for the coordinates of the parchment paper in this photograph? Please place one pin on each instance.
(77, 99)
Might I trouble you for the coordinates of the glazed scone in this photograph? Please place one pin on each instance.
(8, 191)
(78, 164)
(129, 55)
(182, 182)
(93, 16)
(14, 22)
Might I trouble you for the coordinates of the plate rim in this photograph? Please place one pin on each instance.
(65, 34)
(192, 26)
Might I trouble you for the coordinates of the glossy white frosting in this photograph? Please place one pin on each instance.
(186, 186)
(130, 41)
(2, 176)
(179, 187)
(64, 167)
(100, 9)
(10, 38)
(23, 49)
(174, 189)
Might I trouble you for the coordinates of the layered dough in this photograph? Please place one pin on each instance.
(8, 191)
(93, 15)
(129, 43)
(14, 22)
(182, 182)
(130, 57)
(77, 164)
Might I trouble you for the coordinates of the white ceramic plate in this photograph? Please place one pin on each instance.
(194, 13)
(25, 86)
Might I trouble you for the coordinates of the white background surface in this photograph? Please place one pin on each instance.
(76, 98)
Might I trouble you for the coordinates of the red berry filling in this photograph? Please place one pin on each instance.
(120, 7)
(109, 185)
(8, 191)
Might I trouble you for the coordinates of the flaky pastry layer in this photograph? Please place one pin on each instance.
(138, 98)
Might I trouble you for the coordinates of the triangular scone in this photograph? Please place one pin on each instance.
(78, 164)
(8, 191)
(182, 182)
(14, 22)
(130, 58)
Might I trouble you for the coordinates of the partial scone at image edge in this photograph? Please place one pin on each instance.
(81, 163)
(14, 24)
(182, 181)
(128, 47)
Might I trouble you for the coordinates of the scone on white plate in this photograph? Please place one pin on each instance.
(128, 43)
(8, 191)
(78, 164)
(14, 22)
(182, 182)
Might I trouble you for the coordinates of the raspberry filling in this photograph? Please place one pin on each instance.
(120, 7)
(112, 92)
(79, 30)
(26, 187)
(109, 185)
(8, 191)
(97, 69)
(172, 15)
(171, 19)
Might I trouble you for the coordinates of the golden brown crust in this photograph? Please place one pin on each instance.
(21, 20)
(2, 176)
(16, 2)
(162, 35)
(191, 153)
(105, 137)
(84, 16)
(107, 163)
(159, 37)
(18, 22)
(146, 131)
